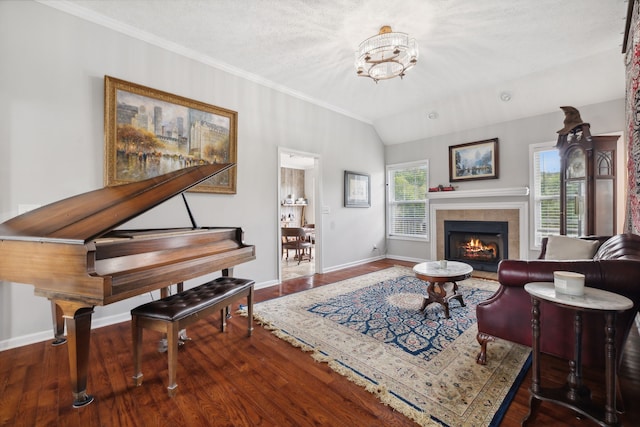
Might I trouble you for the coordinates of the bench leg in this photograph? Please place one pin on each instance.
(136, 335)
(172, 355)
(223, 320)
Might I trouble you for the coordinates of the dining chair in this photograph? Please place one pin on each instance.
(295, 238)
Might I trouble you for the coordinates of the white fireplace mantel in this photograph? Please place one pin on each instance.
(488, 192)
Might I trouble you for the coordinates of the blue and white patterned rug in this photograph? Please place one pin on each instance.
(370, 329)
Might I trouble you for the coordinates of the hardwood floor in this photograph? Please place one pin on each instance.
(227, 379)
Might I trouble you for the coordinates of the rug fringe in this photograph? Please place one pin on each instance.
(378, 390)
(376, 385)
(381, 392)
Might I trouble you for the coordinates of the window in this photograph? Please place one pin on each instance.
(545, 194)
(407, 205)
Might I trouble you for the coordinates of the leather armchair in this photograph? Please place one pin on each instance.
(507, 314)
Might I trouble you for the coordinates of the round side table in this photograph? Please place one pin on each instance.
(575, 395)
(437, 277)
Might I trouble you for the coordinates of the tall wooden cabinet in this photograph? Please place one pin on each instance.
(587, 183)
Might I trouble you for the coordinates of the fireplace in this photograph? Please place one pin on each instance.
(481, 244)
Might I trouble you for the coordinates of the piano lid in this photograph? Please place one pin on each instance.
(87, 216)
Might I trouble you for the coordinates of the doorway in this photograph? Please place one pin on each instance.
(299, 206)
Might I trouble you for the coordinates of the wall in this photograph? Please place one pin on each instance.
(51, 135)
(514, 140)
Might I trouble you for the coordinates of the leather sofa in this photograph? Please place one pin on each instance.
(615, 267)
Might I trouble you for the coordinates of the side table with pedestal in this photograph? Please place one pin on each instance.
(575, 395)
(437, 277)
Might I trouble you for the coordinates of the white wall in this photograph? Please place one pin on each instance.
(52, 67)
(514, 140)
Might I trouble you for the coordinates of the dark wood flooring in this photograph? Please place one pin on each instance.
(231, 380)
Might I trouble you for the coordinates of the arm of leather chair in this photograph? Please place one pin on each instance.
(617, 275)
(519, 273)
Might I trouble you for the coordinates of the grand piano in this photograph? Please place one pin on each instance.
(73, 254)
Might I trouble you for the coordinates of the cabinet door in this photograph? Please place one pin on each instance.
(575, 194)
(605, 194)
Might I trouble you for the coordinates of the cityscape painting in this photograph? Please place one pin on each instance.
(149, 133)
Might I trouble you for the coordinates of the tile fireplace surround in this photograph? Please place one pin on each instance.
(495, 205)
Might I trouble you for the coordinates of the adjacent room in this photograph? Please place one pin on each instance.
(240, 213)
(298, 173)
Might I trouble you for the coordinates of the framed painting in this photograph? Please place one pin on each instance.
(474, 160)
(149, 133)
(357, 190)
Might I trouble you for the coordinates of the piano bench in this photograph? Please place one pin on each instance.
(174, 313)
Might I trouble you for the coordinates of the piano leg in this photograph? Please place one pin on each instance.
(58, 325)
(78, 319)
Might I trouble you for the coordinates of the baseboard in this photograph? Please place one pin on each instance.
(353, 264)
(402, 258)
(100, 322)
(48, 335)
(266, 284)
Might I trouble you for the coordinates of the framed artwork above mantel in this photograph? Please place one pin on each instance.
(149, 132)
(474, 161)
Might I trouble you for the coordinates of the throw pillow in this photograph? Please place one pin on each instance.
(565, 248)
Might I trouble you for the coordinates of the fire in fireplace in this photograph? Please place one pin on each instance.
(481, 244)
(474, 248)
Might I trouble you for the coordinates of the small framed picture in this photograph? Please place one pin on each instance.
(357, 190)
(474, 161)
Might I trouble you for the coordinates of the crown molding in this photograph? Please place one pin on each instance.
(99, 19)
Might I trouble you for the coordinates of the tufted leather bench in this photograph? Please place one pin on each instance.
(173, 313)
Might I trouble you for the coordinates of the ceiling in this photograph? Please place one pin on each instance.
(542, 53)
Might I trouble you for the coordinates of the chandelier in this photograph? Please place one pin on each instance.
(386, 55)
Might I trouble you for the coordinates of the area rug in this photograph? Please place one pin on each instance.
(370, 330)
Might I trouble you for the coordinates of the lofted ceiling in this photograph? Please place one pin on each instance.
(541, 54)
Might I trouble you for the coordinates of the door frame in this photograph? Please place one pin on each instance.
(317, 208)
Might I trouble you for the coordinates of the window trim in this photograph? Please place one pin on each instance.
(533, 149)
(399, 166)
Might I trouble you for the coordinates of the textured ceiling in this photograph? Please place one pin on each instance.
(545, 53)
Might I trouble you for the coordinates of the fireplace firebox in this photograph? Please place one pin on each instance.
(481, 244)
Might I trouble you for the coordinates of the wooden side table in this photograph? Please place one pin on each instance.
(437, 277)
(575, 395)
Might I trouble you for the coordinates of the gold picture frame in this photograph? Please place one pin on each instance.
(149, 132)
